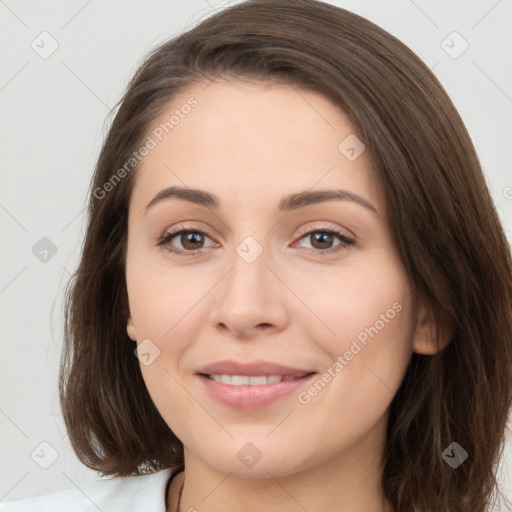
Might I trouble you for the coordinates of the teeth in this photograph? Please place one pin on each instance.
(245, 380)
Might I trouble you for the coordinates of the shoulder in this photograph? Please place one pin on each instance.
(133, 493)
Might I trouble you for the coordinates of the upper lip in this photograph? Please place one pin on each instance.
(254, 368)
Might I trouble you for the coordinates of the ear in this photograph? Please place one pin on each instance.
(427, 327)
(130, 329)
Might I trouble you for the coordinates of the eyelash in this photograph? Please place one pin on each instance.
(174, 232)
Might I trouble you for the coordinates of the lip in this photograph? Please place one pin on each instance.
(248, 397)
(252, 369)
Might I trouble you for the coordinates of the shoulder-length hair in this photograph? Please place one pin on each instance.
(443, 221)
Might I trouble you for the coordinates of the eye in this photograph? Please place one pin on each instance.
(322, 240)
(189, 239)
(192, 240)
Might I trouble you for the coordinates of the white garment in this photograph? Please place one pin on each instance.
(145, 493)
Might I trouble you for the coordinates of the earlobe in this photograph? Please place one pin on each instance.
(425, 340)
(130, 329)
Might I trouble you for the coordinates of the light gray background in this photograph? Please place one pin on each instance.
(53, 113)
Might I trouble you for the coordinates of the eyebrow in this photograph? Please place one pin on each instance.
(286, 204)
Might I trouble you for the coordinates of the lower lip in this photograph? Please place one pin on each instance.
(252, 397)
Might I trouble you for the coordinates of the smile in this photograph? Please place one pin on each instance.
(246, 380)
(249, 392)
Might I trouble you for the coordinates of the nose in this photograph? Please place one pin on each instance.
(251, 300)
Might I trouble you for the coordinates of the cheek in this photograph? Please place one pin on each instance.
(368, 312)
(159, 295)
(367, 355)
(356, 296)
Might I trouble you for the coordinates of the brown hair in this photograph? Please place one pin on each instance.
(442, 217)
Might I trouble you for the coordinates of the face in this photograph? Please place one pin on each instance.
(311, 284)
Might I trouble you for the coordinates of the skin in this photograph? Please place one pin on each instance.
(250, 144)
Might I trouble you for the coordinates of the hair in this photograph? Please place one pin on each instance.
(443, 221)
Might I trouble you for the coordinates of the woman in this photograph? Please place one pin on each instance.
(290, 228)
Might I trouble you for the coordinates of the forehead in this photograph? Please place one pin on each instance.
(254, 142)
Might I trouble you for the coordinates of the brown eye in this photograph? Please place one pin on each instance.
(322, 240)
(191, 240)
(184, 241)
(188, 242)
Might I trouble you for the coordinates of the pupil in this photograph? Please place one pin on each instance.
(187, 240)
(324, 238)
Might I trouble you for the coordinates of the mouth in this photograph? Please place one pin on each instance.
(253, 384)
(252, 392)
(252, 380)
